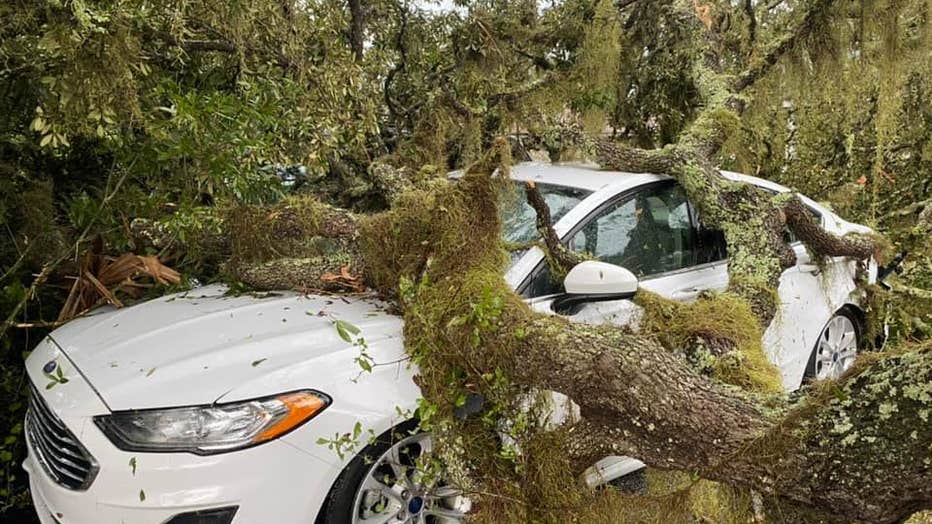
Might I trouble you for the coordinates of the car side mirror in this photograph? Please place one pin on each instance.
(594, 281)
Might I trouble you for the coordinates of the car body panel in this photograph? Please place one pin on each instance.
(205, 346)
(163, 344)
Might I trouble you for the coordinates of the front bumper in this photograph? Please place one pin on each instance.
(277, 485)
(275, 482)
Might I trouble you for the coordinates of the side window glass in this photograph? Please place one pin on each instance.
(648, 233)
(712, 247)
(542, 284)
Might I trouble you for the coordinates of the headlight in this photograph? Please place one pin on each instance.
(217, 428)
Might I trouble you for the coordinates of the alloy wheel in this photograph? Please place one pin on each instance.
(395, 491)
(837, 348)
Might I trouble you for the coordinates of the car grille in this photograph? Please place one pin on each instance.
(56, 448)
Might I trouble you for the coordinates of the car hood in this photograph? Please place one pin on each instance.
(193, 347)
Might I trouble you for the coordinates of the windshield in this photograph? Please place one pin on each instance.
(519, 219)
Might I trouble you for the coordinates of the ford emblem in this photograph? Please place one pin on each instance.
(49, 366)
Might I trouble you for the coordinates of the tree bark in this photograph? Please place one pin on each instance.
(357, 28)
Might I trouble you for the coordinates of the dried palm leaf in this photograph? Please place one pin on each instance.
(102, 278)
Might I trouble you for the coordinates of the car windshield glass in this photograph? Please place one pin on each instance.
(518, 217)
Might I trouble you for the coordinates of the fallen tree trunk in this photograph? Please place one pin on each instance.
(858, 449)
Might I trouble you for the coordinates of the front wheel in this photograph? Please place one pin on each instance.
(384, 485)
(836, 349)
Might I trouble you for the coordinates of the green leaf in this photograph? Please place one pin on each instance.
(365, 365)
(257, 362)
(346, 330)
(142, 496)
(132, 464)
(839, 393)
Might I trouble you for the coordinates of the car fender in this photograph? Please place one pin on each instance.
(375, 400)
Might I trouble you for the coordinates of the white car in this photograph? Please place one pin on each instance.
(208, 408)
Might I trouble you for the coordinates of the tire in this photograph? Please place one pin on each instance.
(634, 483)
(348, 501)
(836, 349)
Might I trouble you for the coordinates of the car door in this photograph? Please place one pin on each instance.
(809, 295)
(652, 232)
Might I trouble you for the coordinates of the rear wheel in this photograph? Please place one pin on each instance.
(836, 349)
(632, 483)
(384, 485)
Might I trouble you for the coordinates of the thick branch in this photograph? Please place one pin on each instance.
(559, 255)
(914, 292)
(752, 20)
(839, 451)
(822, 243)
(401, 46)
(221, 46)
(357, 28)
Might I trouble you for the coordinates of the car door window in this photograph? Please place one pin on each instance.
(712, 246)
(648, 232)
(542, 283)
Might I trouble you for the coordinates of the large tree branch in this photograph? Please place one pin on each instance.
(613, 155)
(660, 410)
(839, 436)
(650, 403)
(220, 45)
(821, 242)
(752, 20)
(402, 48)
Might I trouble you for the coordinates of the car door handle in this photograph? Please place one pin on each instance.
(809, 268)
(686, 294)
